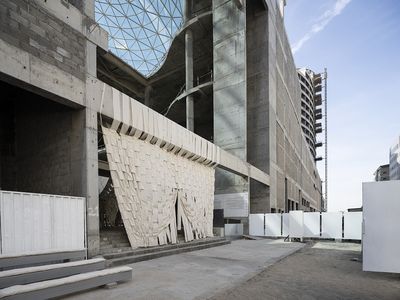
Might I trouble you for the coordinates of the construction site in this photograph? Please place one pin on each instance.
(133, 130)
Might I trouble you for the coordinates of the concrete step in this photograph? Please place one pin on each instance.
(123, 259)
(68, 285)
(140, 251)
(46, 272)
(33, 259)
(114, 250)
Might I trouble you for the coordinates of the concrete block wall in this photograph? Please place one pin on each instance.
(28, 26)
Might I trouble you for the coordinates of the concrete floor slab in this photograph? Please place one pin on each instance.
(199, 274)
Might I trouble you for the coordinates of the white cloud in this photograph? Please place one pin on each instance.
(321, 23)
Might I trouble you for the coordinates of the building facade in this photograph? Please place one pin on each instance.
(311, 102)
(221, 114)
(382, 173)
(394, 161)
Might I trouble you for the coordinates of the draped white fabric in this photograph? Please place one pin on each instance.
(158, 192)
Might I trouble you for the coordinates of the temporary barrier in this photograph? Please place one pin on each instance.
(233, 229)
(352, 225)
(312, 224)
(296, 224)
(299, 224)
(331, 225)
(285, 224)
(32, 223)
(381, 210)
(273, 225)
(256, 224)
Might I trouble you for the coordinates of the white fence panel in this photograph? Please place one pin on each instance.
(331, 225)
(380, 240)
(273, 224)
(352, 225)
(233, 229)
(285, 224)
(296, 224)
(312, 224)
(32, 223)
(256, 224)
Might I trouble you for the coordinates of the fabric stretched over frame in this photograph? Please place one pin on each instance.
(158, 191)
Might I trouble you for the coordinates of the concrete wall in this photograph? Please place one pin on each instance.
(275, 140)
(230, 122)
(49, 47)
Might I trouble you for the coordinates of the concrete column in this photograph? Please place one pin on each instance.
(189, 67)
(147, 94)
(189, 79)
(91, 182)
(90, 161)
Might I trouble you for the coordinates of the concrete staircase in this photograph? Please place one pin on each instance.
(142, 254)
(114, 240)
(60, 279)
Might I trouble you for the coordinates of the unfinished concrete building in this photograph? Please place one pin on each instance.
(151, 142)
(311, 107)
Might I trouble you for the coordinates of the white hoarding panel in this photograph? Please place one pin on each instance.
(312, 224)
(331, 225)
(256, 224)
(32, 223)
(285, 224)
(273, 224)
(235, 205)
(381, 226)
(233, 229)
(352, 225)
(296, 224)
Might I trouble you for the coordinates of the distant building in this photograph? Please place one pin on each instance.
(394, 161)
(311, 112)
(382, 173)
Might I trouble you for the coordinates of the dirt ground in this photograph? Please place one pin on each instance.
(325, 270)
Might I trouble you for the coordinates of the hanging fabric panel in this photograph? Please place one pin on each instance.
(151, 184)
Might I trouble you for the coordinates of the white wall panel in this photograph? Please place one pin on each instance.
(331, 225)
(311, 224)
(352, 225)
(381, 211)
(234, 205)
(256, 224)
(296, 224)
(37, 222)
(285, 224)
(273, 224)
(233, 229)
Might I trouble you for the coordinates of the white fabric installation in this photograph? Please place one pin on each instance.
(331, 225)
(159, 192)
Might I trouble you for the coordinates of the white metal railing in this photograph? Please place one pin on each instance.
(299, 224)
(34, 223)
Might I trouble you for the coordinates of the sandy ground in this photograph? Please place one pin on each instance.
(325, 270)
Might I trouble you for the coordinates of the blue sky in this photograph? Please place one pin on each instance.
(359, 42)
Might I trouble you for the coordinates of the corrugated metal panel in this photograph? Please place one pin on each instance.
(38, 222)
